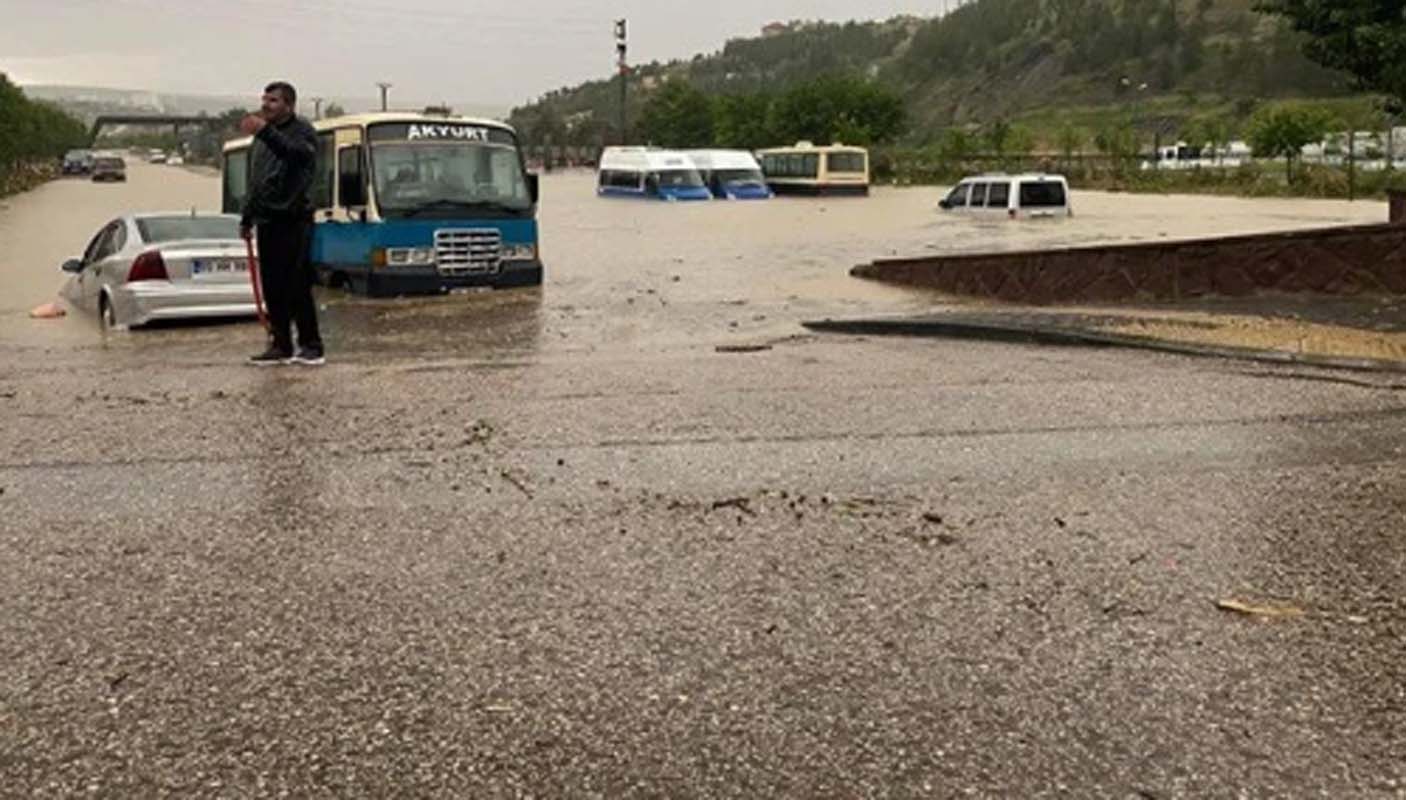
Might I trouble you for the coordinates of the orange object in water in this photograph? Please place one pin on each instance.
(48, 311)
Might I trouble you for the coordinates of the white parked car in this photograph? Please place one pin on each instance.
(145, 267)
(1015, 196)
(174, 161)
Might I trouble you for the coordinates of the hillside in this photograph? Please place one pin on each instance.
(995, 60)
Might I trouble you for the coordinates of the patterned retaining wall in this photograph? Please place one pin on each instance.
(1344, 260)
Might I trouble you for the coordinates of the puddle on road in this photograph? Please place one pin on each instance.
(621, 275)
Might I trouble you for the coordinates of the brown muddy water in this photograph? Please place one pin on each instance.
(621, 274)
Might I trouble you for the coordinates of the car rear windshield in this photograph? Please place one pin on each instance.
(171, 229)
(1041, 194)
(110, 163)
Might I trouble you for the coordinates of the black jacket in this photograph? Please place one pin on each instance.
(281, 165)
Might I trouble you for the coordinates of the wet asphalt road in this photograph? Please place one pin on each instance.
(553, 544)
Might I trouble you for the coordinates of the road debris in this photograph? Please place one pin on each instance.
(48, 311)
(740, 504)
(741, 348)
(1254, 610)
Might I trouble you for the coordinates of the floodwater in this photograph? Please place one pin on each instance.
(621, 274)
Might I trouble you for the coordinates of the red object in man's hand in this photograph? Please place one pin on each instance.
(252, 124)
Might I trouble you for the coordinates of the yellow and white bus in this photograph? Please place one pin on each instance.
(823, 170)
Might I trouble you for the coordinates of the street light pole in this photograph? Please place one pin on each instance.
(385, 87)
(621, 46)
(317, 108)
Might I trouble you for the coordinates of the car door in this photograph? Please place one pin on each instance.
(89, 278)
(113, 266)
(977, 201)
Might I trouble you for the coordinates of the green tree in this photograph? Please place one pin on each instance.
(741, 121)
(1282, 130)
(1071, 140)
(33, 132)
(678, 115)
(837, 108)
(333, 110)
(1364, 38)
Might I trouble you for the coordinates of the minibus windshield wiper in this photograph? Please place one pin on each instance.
(445, 202)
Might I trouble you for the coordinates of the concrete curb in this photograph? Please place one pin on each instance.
(1071, 337)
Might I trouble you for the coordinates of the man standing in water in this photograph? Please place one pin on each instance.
(276, 209)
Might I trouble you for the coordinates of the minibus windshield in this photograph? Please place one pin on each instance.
(414, 178)
(740, 176)
(678, 178)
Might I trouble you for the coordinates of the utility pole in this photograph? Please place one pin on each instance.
(385, 87)
(317, 108)
(621, 46)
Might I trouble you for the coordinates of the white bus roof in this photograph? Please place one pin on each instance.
(644, 159)
(723, 159)
(810, 147)
(361, 120)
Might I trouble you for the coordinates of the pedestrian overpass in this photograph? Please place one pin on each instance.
(157, 120)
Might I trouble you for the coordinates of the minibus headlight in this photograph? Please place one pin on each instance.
(404, 256)
(519, 252)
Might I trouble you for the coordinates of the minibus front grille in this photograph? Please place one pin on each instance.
(468, 251)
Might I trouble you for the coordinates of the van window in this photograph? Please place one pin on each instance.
(999, 195)
(978, 198)
(958, 196)
(1042, 194)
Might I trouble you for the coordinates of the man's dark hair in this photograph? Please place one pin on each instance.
(290, 95)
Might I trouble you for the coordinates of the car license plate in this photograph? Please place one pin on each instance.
(217, 266)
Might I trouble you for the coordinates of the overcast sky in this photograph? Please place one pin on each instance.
(500, 53)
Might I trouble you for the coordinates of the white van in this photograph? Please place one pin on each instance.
(649, 172)
(731, 174)
(1031, 195)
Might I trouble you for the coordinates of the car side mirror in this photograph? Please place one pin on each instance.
(534, 188)
(72, 265)
(944, 203)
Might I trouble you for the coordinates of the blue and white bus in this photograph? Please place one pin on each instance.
(651, 173)
(414, 204)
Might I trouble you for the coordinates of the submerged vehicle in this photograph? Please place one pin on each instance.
(1016, 196)
(731, 174)
(835, 169)
(77, 162)
(649, 172)
(109, 168)
(140, 268)
(414, 204)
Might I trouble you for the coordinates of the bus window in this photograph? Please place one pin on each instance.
(351, 178)
(844, 162)
(321, 191)
(236, 182)
(810, 165)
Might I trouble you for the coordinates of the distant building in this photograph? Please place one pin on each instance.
(775, 29)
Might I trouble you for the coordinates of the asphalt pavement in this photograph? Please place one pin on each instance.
(556, 544)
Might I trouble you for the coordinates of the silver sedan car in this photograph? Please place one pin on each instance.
(146, 267)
